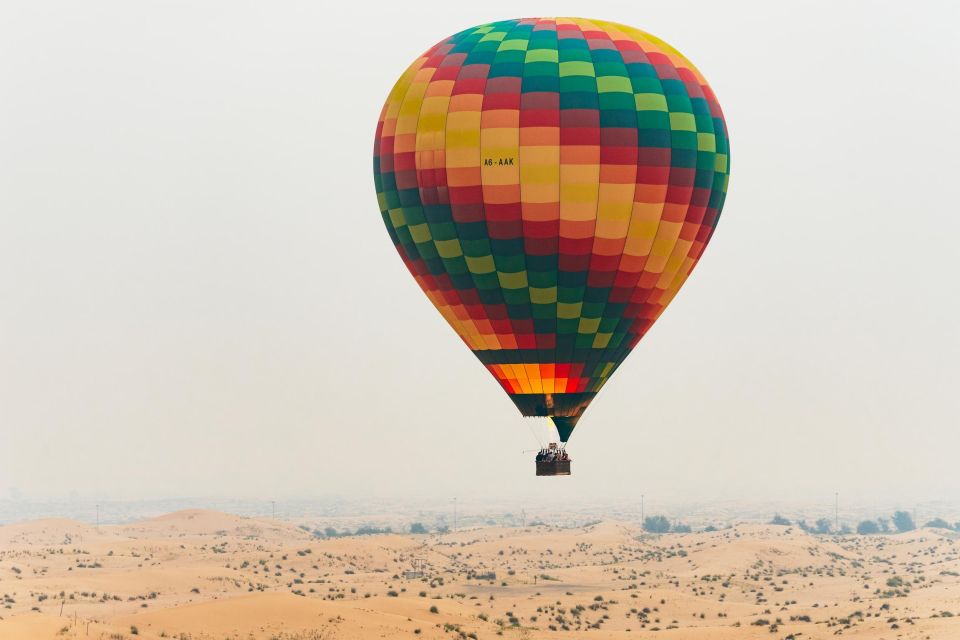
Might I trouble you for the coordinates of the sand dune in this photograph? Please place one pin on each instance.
(51, 531)
(193, 522)
(196, 574)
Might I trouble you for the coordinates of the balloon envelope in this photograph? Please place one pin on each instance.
(550, 184)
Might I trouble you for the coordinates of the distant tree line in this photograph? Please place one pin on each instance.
(330, 532)
(660, 524)
(416, 528)
(900, 522)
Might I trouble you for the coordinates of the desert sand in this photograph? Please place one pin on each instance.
(205, 575)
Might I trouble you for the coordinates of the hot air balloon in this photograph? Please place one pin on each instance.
(551, 183)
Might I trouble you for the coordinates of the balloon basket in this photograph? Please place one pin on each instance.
(553, 468)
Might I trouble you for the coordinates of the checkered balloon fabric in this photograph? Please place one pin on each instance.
(550, 184)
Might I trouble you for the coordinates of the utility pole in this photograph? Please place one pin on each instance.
(454, 514)
(641, 508)
(523, 519)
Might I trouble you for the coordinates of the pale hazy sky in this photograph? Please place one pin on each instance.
(198, 297)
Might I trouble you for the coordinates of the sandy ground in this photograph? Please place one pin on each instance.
(203, 575)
